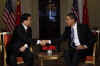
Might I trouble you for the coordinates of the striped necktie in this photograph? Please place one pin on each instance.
(72, 38)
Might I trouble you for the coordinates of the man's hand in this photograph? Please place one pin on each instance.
(22, 49)
(42, 42)
(80, 47)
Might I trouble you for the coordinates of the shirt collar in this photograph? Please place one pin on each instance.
(25, 27)
(75, 25)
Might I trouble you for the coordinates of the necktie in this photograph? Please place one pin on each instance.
(72, 34)
(72, 38)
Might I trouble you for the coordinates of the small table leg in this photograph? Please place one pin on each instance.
(41, 60)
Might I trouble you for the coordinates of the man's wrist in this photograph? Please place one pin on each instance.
(38, 42)
(85, 46)
(26, 45)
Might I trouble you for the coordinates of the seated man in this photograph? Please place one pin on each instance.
(20, 42)
(80, 40)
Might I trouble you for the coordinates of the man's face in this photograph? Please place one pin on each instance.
(28, 21)
(69, 22)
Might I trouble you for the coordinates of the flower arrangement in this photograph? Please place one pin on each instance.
(51, 47)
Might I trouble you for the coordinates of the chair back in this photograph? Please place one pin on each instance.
(0, 43)
(6, 38)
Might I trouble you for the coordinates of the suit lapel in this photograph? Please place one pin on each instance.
(23, 28)
(69, 33)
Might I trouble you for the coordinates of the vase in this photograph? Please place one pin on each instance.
(49, 52)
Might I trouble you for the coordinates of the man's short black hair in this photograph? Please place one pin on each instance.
(72, 16)
(24, 17)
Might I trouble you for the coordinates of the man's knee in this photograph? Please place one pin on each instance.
(12, 60)
(66, 53)
(12, 57)
(29, 56)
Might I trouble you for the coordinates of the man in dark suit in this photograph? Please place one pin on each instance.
(20, 42)
(80, 40)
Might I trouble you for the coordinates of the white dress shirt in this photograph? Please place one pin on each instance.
(76, 38)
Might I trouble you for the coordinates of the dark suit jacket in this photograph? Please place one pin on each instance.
(85, 35)
(19, 38)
